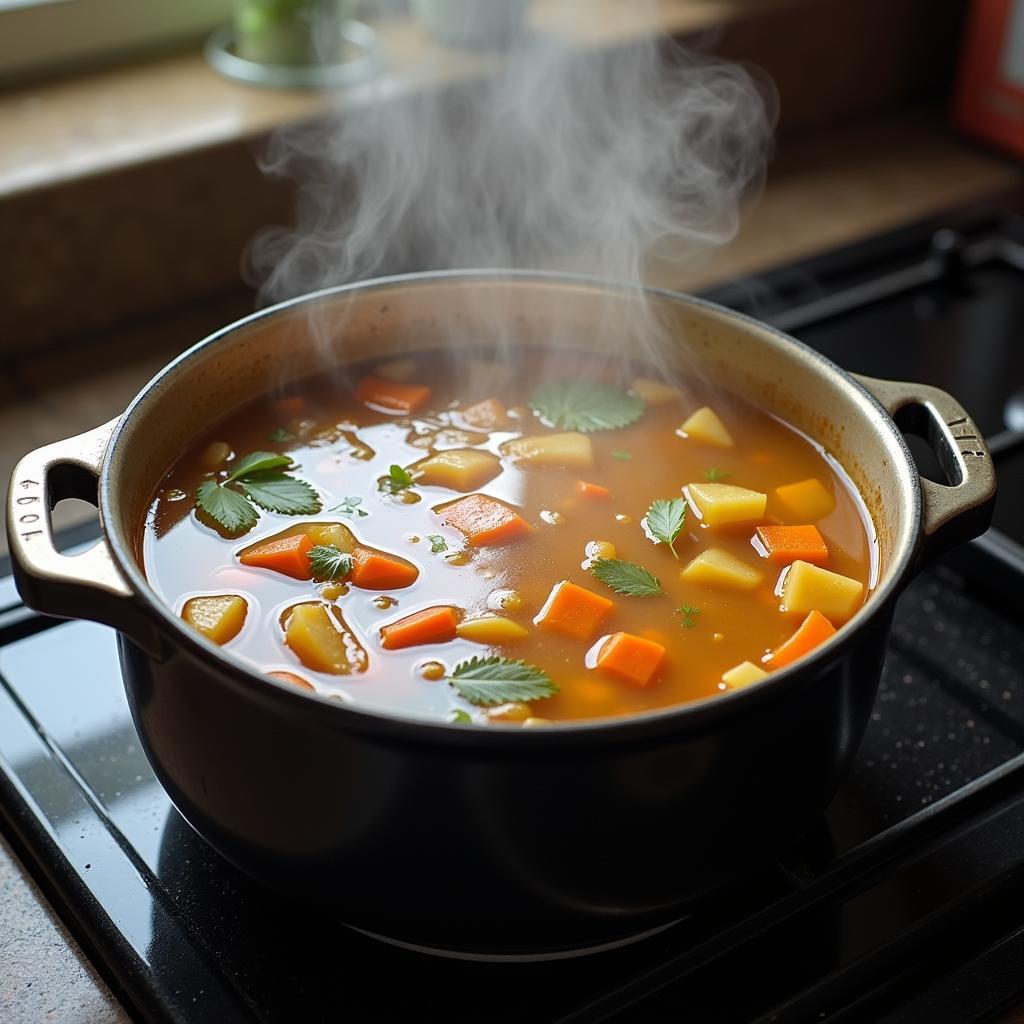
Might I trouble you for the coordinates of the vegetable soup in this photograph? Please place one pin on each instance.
(460, 541)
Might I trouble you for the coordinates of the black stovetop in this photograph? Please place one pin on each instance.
(904, 903)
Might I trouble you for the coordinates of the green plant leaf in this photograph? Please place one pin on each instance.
(626, 577)
(664, 520)
(689, 612)
(329, 562)
(714, 473)
(494, 680)
(586, 405)
(257, 462)
(621, 455)
(437, 543)
(278, 492)
(225, 507)
(350, 507)
(398, 479)
(459, 717)
(280, 436)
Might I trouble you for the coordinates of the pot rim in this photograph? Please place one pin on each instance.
(692, 716)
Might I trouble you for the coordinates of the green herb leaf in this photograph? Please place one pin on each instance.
(459, 717)
(280, 436)
(714, 473)
(689, 613)
(329, 562)
(277, 492)
(586, 405)
(496, 680)
(257, 462)
(626, 578)
(622, 456)
(437, 543)
(398, 479)
(226, 507)
(664, 520)
(349, 507)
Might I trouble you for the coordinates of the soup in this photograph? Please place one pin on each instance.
(455, 540)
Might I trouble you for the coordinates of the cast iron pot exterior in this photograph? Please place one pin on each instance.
(485, 840)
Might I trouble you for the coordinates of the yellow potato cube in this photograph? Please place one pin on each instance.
(653, 392)
(461, 469)
(721, 504)
(717, 568)
(322, 640)
(219, 618)
(569, 449)
(745, 673)
(492, 629)
(704, 425)
(809, 588)
(336, 534)
(806, 501)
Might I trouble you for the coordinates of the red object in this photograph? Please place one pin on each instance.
(989, 99)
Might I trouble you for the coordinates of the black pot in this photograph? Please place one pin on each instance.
(473, 839)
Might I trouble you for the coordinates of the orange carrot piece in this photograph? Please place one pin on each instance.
(486, 415)
(287, 555)
(632, 659)
(291, 677)
(484, 521)
(813, 631)
(573, 611)
(593, 491)
(785, 544)
(290, 405)
(392, 396)
(372, 570)
(430, 626)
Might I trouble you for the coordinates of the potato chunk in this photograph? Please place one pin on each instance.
(569, 449)
(721, 504)
(322, 641)
(461, 469)
(653, 392)
(704, 425)
(336, 534)
(809, 588)
(806, 500)
(744, 674)
(718, 568)
(491, 629)
(489, 414)
(218, 618)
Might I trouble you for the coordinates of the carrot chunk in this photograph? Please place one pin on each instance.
(484, 521)
(813, 631)
(372, 570)
(287, 555)
(573, 611)
(293, 679)
(392, 396)
(785, 544)
(593, 491)
(633, 659)
(430, 626)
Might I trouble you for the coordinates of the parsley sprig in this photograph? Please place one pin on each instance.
(350, 507)
(256, 479)
(626, 577)
(586, 405)
(397, 480)
(664, 520)
(689, 613)
(437, 543)
(328, 562)
(495, 680)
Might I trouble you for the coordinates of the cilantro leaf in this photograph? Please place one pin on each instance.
(621, 455)
(257, 462)
(278, 492)
(398, 479)
(714, 473)
(437, 543)
(459, 717)
(226, 507)
(498, 680)
(586, 405)
(664, 520)
(626, 578)
(280, 436)
(329, 562)
(349, 507)
(689, 612)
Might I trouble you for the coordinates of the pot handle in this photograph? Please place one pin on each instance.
(952, 513)
(85, 586)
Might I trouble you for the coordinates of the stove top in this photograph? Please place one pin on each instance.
(903, 903)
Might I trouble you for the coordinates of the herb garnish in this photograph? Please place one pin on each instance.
(459, 717)
(664, 520)
(714, 473)
(626, 577)
(621, 455)
(280, 436)
(689, 613)
(398, 479)
(258, 477)
(329, 562)
(497, 680)
(350, 507)
(586, 405)
(437, 543)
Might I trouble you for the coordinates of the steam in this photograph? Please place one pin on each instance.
(582, 162)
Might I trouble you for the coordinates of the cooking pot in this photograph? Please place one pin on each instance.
(484, 840)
